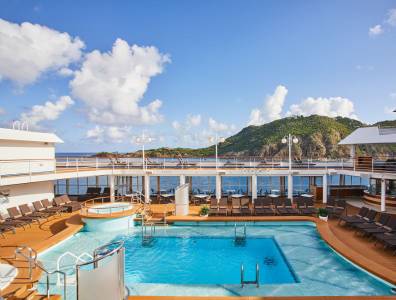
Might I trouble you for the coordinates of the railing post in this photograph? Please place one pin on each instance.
(30, 170)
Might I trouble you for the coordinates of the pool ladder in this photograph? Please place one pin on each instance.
(240, 240)
(148, 234)
(256, 282)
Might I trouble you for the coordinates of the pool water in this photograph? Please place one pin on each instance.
(204, 261)
(166, 261)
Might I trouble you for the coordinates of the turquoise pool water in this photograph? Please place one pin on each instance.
(204, 260)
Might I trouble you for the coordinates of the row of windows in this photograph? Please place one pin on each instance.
(200, 184)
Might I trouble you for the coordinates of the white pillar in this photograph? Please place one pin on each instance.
(112, 184)
(324, 188)
(182, 179)
(352, 151)
(383, 190)
(290, 187)
(147, 188)
(218, 187)
(254, 187)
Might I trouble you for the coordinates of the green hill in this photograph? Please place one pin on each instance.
(318, 138)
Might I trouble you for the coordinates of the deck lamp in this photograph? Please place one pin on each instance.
(216, 140)
(290, 139)
(142, 140)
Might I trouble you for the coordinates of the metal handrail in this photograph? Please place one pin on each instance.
(48, 273)
(31, 259)
(256, 282)
(98, 257)
(33, 263)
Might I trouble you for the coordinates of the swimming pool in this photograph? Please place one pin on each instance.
(203, 260)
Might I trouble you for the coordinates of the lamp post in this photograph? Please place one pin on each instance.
(142, 140)
(216, 140)
(290, 139)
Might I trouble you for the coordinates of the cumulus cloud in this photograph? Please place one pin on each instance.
(375, 30)
(103, 134)
(48, 112)
(112, 84)
(218, 126)
(193, 120)
(330, 107)
(28, 50)
(391, 17)
(272, 108)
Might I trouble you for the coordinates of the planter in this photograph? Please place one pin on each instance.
(204, 216)
(324, 218)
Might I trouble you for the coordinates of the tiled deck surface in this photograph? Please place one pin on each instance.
(355, 248)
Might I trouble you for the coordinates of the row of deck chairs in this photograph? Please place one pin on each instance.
(263, 206)
(366, 223)
(24, 215)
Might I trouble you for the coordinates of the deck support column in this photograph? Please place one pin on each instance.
(324, 197)
(182, 179)
(290, 187)
(112, 187)
(254, 188)
(218, 187)
(146, 188)
(383, 196)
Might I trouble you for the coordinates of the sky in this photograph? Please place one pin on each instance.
(109, 76)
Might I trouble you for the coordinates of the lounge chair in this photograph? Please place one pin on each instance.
(384, 238)
(150, 163)
(6, 228)
(223, 206)
(389, 227)
(214, 207)
(262, 206)
(13, 223)
(382, 220)
(335, 208)
(301, 205)
(27, 212)
(359, 216)
(236, 207)
(47, 205)
(245, 209)
(38, 206)
(184, 163)
(290, 209)
(15, 214)
(369, 218)
(64, 201)
(279, 207)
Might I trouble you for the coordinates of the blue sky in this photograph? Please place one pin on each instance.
(213, 67)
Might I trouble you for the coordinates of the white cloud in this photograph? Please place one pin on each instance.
(66, 72)
(217, 126)
(48, 112)
(392, 95)
(375, 30)
(103, 134)
(391, 19)
(112, 84)
(176, 125)
(330, 107)
(271, 109)
(2, 111)
(28, 50)
(193, 120)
